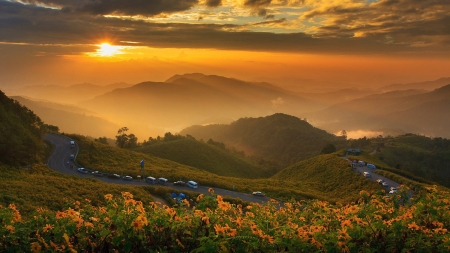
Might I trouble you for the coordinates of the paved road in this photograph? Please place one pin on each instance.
(60, 161)
(375, 177)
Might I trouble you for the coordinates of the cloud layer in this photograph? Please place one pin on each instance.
(319, 26)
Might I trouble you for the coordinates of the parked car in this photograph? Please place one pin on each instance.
(384, 184)
(258, 194)
(179, 183)
(82, 170)
(150, 180)
(129, 178)
(96, 173)
(192, 184)
(115, 176)
(162, 181)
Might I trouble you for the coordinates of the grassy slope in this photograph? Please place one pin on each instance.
(39, 186)
(110, 159)
(282, 138)
(206, 157)
(418, 156)
(327, 173)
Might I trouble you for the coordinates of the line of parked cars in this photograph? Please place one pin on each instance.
(164, 181)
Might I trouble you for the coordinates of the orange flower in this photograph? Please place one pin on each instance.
(35, 247)
(10, 228)
(17, 216)
(47, 228)
(413, 226)
(224, 206)
(199, 197)
(136, 225)
(219, 198)
(12, 207)
(347, 223)
(232, 232)
(60, 215)
(186, 202)
(108, 196)
(219, 229)
(211, 190)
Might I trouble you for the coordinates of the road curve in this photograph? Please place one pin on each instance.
(60, 161)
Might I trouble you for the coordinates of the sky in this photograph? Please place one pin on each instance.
(354, 43)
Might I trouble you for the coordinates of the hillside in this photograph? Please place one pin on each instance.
(281, 138)
(329, 173)
(66, 94)
(70, 119)
(421, 156)
(21, 133)
(189, 99)
(205, 156)
(409, 111)
(428, 85)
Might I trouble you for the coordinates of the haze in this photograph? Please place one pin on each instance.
(122, 63)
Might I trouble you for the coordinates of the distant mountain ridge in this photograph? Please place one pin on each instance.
(67, 94)
(186, 100)
(415, 111)
(427, 85)
(281, 138)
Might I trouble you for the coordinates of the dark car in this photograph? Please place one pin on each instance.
(179, 183)
(258, 194)
(129, 178)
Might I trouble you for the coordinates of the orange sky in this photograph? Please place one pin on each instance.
(358, 43)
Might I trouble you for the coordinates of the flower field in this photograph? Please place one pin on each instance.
(209, 224)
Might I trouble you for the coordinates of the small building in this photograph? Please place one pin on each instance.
(353, 151)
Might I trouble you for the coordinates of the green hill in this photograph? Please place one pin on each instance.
(21, 133)
(281, 138)
(204, 156)
(421, 156)
(327, 173)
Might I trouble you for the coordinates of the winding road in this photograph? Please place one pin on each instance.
(60, 161)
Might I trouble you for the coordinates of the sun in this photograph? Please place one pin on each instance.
(106, 49)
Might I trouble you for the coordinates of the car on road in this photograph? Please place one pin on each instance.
(72, 144)
(367, 174)
(72, 157)
(129, 178)
(371, 166)
(258, 194)
(96, 173)
(162, 180)
(393, 189)
(150, 180)
(82, 170)
(380, 181)
(192, 184)
(384, 184)
(179, 183)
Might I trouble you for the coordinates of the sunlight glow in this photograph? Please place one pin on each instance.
(105, 49)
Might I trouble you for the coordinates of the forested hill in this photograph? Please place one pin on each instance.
(281, 138)
(21, 133)
(210, 156)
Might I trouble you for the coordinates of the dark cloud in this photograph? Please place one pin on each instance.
(213, 3)
(271, 16)
(257, 3)
(36, 25)
(262, 12)
(123, 7)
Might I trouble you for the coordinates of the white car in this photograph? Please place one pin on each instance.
(192, 184)
(258, 194)
(393, 189)
(384, 184)
(82, 170)
(129, 178)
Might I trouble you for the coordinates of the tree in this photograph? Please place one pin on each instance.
(344, 134)
(122, 137)
(328, 149)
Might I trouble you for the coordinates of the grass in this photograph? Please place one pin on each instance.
(206, 157)
(333, 175)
